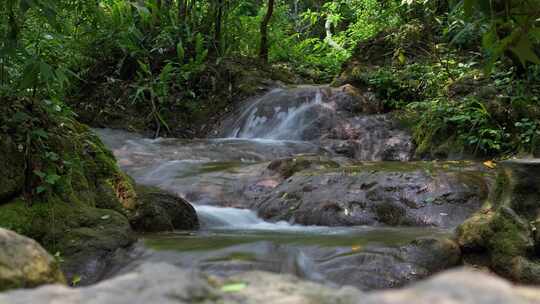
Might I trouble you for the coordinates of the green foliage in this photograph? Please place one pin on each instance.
(166, 56)
(31, 125)
(513, 27)
(468, 121)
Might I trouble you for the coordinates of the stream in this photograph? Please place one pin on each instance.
(227, 179)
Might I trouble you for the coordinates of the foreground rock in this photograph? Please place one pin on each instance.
(85, 201)
(68, 194)
(163, 283)
(504, 235)
(24, 263)
(411, 194)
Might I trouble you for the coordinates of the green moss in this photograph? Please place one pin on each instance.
(16, 216)
(511, 238)
(433, 167)
(290, 166)
(87, 209)
(475, 232)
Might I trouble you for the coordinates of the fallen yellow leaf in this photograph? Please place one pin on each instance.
(490, 164)
(356, 248)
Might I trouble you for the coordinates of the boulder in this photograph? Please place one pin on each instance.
(414, 194)
(25, 264)
(505, 231)
(162, 211)
(340, 119)
(76, 202)
(463, 286)
(164, 283)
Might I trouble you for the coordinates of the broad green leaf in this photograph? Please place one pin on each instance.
(31, 73)
(39, 173)
(40, 133)
(180, 52)
(76, 280)
(234, 287)
(46, 73)
(141, 9)
(51, 179)
(525, 51)
(20, 117)
(40, 189)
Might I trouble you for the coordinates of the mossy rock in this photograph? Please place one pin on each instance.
(84, 214)
(287, 167)
(25, 264)
(473, 234)
(163, 211)
(507, 232)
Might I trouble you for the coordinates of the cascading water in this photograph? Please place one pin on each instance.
(223, 177)
(292, 118)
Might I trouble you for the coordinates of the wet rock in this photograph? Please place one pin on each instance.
(463, 286)
(505, 231)
(375, 268)
(329, 116)
(89, 245)
(363, 101)
(162, 211)
(25, 264)
(84, 217)
(412, 194)
(164, 283)
(369, 138)
(287, 167)
(393, 259)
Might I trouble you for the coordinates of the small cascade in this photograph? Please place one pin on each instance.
(322, 115)
(244, 219)
(293, 114)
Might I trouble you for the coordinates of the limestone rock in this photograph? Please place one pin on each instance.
(24, 263)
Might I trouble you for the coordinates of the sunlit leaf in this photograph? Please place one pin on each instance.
(234, 287)
(490, 164)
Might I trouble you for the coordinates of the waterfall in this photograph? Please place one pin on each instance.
(292, 114)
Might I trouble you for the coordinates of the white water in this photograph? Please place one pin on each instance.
(205, 172)
(282, 115)
(243, 219)
(269, 128)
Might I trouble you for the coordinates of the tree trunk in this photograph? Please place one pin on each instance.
(217, 26)
(182, 10)
(263, 50)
